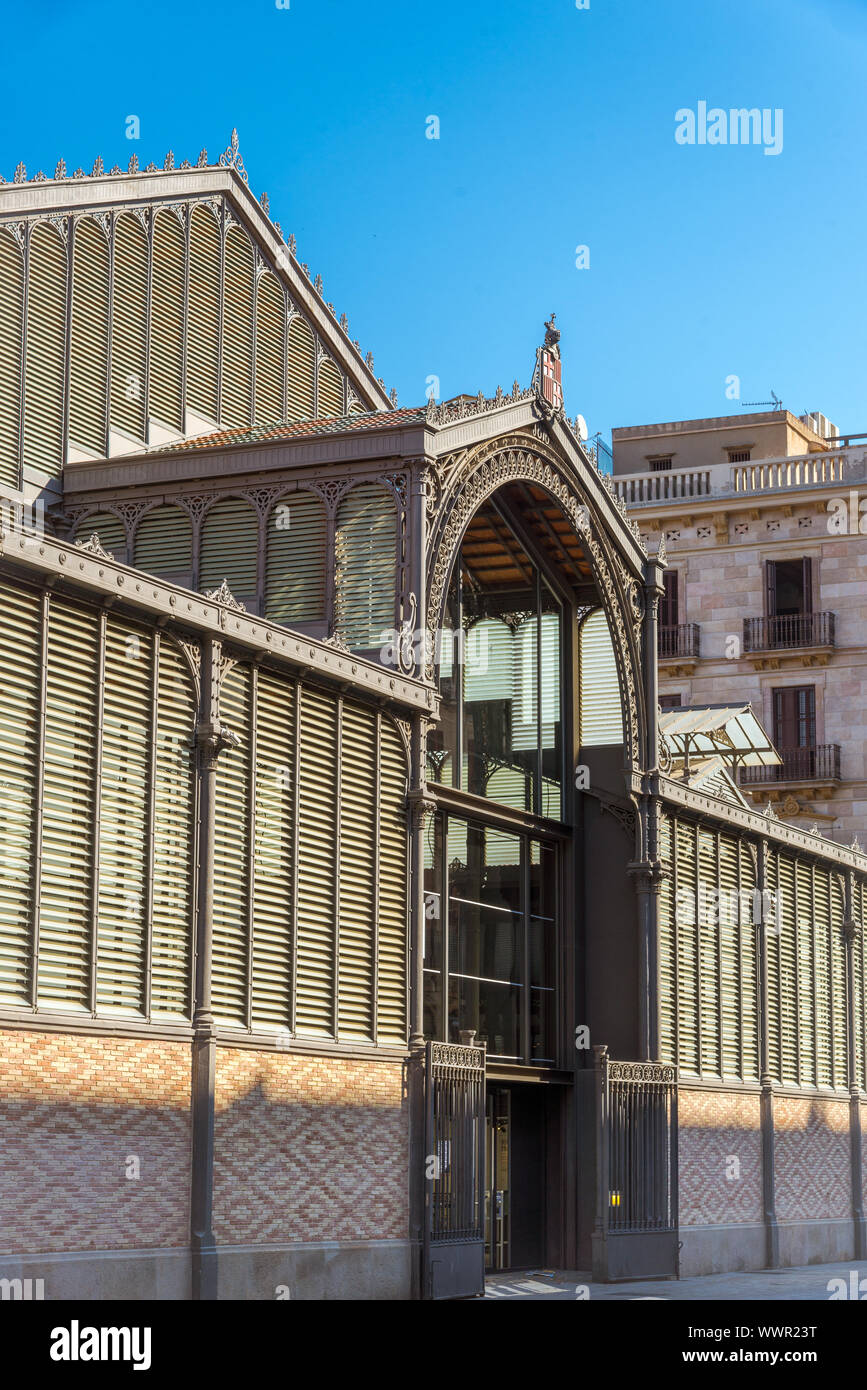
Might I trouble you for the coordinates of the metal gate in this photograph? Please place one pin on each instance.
(636, 1234)
(454, 1228)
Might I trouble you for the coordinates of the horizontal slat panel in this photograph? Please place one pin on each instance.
(20, 662)
(295, 560)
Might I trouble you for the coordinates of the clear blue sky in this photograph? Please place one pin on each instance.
(556, 130)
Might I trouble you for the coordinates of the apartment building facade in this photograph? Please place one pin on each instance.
(763, 517)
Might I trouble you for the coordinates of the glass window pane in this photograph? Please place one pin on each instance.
(493, 1010)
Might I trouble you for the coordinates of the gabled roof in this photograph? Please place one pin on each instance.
(294, 429)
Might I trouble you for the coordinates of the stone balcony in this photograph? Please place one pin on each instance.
(679, 648)
(740, 481)
(813, 772)
(807, 639)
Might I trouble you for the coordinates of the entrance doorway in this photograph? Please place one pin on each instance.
(515, 1158)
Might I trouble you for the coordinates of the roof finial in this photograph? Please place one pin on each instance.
(231, 158)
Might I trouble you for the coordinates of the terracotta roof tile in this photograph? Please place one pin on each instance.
(294, 429)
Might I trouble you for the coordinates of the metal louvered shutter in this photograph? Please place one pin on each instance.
(72, 720)
(666, 952)
(109, 528)
(601, 717)
(164, 543)
(788, 981)
(121, 945)
(46, 350)
(20, 663)
(749, 964)
(772, 949)
(806, 971)
(166, 397)
(822, 976)
(270, 349)
(300, 364)
(316, 966)
(731, 1004)
(391, 994)
(232, 856)
(365, 557)
(173, 836)
(203, 324)
(88, 367)
(330, 389)
(129, 327)
(357, 877)
(839, 1005)
(230, 549)
(237, 404)
(11, 353)
(273, 880)
(709, 964)
(295, 560)
(688, 997)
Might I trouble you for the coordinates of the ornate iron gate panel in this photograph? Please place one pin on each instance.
(636, 1234)
(454, 1230)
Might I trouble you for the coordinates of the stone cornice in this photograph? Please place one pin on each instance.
(44, 560)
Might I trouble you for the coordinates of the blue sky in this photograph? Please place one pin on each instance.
(556, 130)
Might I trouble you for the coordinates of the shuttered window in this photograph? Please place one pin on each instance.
(601, 718)
(709, 964)
(123, 823)
(822, 942)
(46, 350)
(838, 983)
(273, 899)
(88, 368)
(788, 956)
(772, 949)
(238, 311)
(231, 854)
(315, 986)
(300, 366)
(164, 544)
(330, 389)
(270, 349)
(295, 560)
(167, 322)
(357, 877)
(749, 965)
(203, 328)
(173, 832)
(688, 1000)
(71, 724)
(393, 872)
(365, 554)
(730, 1003)
(129, 327)
(667, 948)
(230, 549)
(806, 972)
(20, 662)
(11, 352)
(109, 528)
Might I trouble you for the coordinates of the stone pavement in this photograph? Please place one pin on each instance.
(810, 1283)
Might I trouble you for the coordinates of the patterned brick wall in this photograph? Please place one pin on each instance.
(720, 1157)
(811, 1159)
(309, 1148)
(73, 1111)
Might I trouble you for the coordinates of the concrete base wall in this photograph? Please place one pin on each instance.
(358, 1270)
(724, 1248)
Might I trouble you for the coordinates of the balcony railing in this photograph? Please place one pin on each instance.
(668, 486)
(820, 764)
(679, 641)
(792, 630)
(831, 469)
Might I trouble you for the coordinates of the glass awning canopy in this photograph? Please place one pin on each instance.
(730, 731)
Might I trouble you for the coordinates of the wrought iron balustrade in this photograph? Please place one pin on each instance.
(790, 630)
(682, 640)
(821, 763)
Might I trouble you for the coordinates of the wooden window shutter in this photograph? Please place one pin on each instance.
(391, 995)
(174, 802)
(88, 368)
(365, 556)
(46, 350)
(203, 324)
(20, 663)
(164, 544)
(274, 867)
(807, 583)
(300, 366)
(317, 799)
(69, 808)
(295, 559)
(230, 549)
(357, 880)
(166, 396)
(232, 854)
(669, 607)
(771, 588)
(270, 350)
(121, 946)
(129, 326)
(11, 353)
(237, 404)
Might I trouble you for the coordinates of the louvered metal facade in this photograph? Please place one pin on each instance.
(366, 559)
(230, 549)
(44, 381)
(295, 549)
(91, 318)
(11, 356)
(166, 399)
(599, 688)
